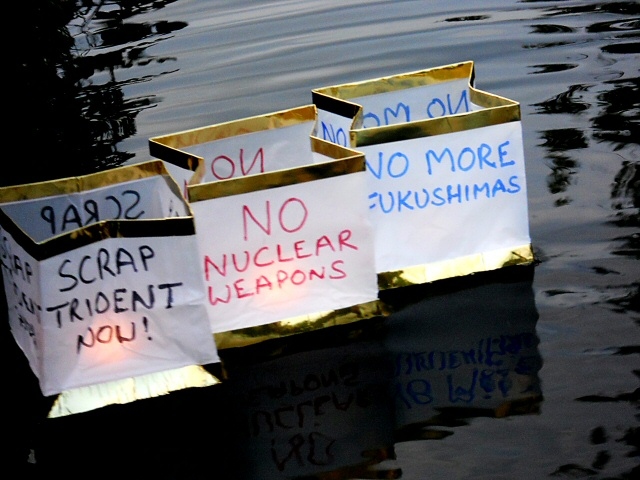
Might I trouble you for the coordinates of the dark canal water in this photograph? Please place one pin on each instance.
(556, 392)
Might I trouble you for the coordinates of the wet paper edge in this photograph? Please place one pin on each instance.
(457, 267)
(84, 399)
(304, 323)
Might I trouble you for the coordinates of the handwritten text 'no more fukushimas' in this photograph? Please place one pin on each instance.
(486, 164)
(446, 195)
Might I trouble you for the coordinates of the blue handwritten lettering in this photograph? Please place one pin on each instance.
(401, 112)
(439, 158)
(464, 101)
(402, 200)
(442, 111)
(395, 113)
(398, 158)
(437, 107)
(330, 134)
(502, 153)
(420, 392)
(468, 158)
(370, 116)
(458, 393)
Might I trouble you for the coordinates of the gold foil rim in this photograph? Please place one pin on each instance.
(171, 147)
(496, 109)
(457, 267)
(333, 150)
(92, 397)
(95, 232)
(276, 179)
(49, 188)
(304, 323)
(497, 114)
(103, 229)
(338, 106)
(391, 83)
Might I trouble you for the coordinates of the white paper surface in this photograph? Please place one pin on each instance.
(145, 198)
(182, 176)
(447, 196)
(123, 307)
(284, 252)
(418, 103)
(399, 106)
(112, 309)
(256, 152)
(21, 276)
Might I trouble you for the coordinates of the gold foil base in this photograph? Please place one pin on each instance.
(305, 323)
(481, 262)
(127, 390)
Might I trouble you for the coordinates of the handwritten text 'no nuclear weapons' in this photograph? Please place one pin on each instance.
(277, 266)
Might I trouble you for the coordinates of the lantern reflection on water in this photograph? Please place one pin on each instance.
(463, 348)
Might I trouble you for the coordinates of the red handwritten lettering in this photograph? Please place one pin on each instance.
(290, 219)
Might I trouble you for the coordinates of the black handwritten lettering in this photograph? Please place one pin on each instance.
(101, 265)
(107, 334)
(296, 442)
(21, 269)
(28, 327)
(92, 210)
(71, 216)
(258, 418)
(280, 415)
(118, 300)
(169, 288)
(129, 214)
